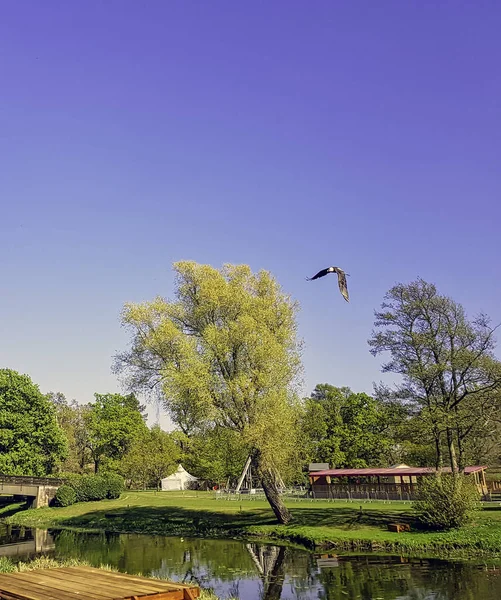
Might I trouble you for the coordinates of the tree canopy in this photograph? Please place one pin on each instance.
(347, 429)
(31, 442)
(450, 376)
(215, 454)
(70, 417)
(113, 423)
(153, 455)
(226, 348)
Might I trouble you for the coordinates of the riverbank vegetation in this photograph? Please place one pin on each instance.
(316, 524)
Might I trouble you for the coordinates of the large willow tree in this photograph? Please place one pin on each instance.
(224, 351)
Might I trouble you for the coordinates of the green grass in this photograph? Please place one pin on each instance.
(7, 565)
(338, 524)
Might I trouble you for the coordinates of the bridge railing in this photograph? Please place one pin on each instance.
(21, 480)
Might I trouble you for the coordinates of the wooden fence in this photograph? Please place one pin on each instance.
(383, 491)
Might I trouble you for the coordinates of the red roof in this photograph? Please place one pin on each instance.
(388, 471)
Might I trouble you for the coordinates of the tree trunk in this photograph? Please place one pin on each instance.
(461, 464)
(269, 483)
(438, 452)
(452, 451)
(459, 436)
(275, 579)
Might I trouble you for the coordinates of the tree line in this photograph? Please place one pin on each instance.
(224, 359)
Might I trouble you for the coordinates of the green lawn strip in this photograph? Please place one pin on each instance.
(318, 524)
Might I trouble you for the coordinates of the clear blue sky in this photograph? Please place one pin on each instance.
(286, 135)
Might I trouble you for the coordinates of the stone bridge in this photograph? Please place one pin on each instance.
(41, 490)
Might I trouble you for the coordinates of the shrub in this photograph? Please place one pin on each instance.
(92, 487)
(95, 487)
(446, 501)
(114, 485)
(65, 496)
(88, 487)
(73, 480)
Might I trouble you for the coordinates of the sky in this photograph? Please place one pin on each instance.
(289, 136)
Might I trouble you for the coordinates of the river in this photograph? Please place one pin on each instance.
(251, 571)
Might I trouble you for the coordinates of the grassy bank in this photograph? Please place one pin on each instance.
(338, 525)
(9, 566)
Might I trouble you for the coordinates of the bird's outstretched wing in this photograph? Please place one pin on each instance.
(321, 273)
(343, 286)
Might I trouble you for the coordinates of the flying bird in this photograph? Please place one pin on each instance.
(341, 279)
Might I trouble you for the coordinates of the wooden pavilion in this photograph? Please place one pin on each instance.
(393, 483)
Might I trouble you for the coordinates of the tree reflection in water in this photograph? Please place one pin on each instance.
(269, 561)
(250, 571)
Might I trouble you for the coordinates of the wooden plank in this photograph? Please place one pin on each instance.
(104, 574)
(27, 587)
(87, 583)
(100, 588)
(126, 576)
(30, 591)
(111, 587)
(162, 585)
(9, 596)
(101, 583)
(173, 595)
(89, 592)
(125, 581)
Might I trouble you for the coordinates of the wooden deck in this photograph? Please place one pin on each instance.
(89, 584)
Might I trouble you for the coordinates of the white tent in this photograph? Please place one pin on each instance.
(179, 480)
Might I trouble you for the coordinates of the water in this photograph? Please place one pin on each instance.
(265, 572)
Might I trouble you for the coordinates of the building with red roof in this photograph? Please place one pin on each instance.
(392, 483)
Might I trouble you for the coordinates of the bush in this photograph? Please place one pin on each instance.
(115, 485)
(88, 488)
(65, 496)
(446, 501)
(92, 487)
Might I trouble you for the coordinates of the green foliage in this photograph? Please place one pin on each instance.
(215, 455)
(114, 485)
(151, 457)
(347, 429)
(6, 565)
(226, 349)
(70, 417)
(450, 377)
(31, 442)
(446, 501)
(113, 423)
(90, 488)
(65, 496)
